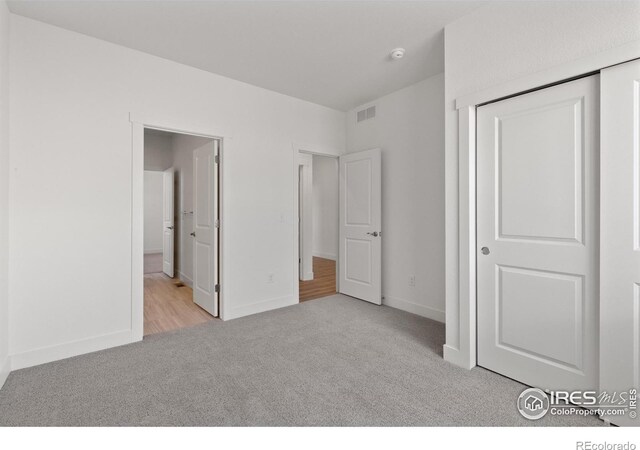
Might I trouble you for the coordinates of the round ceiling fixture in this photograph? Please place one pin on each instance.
(397, 53)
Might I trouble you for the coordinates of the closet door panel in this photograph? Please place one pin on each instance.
(620, 234)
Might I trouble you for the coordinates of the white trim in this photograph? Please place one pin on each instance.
(307, 276)
(67, 350)
(461, 315)
(330, 256)
(261, 306)
(152, 251)
(588, 64)
(318, 150)
(305, 217)
(455, 356)
(414, 308)
(298, 148)
(5, 370)
(174, 126)
(460, 348)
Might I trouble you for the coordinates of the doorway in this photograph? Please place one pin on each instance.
(356, 268)
(318, 208)
(181, 230)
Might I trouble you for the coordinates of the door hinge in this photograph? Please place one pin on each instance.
(217, 288)
(217, 159)
(217, 223)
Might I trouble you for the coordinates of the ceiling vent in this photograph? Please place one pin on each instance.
(366, 114)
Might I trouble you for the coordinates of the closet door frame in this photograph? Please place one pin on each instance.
(460, 221)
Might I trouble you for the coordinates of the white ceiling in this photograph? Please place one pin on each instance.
(334, 53)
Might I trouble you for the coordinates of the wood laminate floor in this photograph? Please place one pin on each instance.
(169, 307)
(323, 283)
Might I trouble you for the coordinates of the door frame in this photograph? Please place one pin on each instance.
(305, 199)
(309, 150)
(138, 125)
(460, 174)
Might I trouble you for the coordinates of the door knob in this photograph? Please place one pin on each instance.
(193, 233)
(374, 234)
(485, 250)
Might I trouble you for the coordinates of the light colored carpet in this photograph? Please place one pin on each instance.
(153, 263)
(332, 361)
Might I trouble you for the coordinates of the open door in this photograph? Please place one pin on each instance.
(167, 222)
(360, 268)
(205, 233)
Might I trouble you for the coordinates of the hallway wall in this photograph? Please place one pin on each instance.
(325, 207)
(153, 213)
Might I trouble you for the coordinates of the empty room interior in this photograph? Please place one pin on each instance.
(319, 213)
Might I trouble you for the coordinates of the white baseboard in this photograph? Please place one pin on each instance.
(330, 256)
(307, 276)
(258, 307)
(151, 252)
(185, 279)
(62, 351)
(5, 369)
(421, 310)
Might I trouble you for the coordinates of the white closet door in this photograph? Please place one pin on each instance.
(537, 235)
(620, 238)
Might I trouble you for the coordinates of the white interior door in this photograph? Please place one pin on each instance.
(360, 267)
(205, 254)
(620, 235)
(537, 235)
(167, 222)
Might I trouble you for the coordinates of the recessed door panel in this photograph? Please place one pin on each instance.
(358, 192)
(540, 174)
(358, 260)
(540, 315)
(537, 224)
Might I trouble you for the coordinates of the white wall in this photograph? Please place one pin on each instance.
(4, 192)
(71, 100)
(506, 41)
(325, 207)
(153, 195)
(183, 147)
(409, 128)
(158, 154)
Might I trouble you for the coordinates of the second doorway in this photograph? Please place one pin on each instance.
(318, 210)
